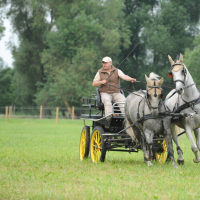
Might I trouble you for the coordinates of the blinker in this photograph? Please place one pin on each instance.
(170, 74)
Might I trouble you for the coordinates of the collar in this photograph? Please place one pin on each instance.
(112, 69)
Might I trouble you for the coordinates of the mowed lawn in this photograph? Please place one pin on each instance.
(40, 160)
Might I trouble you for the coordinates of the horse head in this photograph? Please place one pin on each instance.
(178, 73)
(154, 92)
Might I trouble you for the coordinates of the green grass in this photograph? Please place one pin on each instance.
(40, 160)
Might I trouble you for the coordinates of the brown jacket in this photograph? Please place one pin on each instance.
(113, 80)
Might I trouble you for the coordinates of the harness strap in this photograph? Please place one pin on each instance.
(189, 86)
(188, 105)
(179, 81)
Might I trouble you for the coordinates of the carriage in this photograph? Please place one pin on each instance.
(110, 135)
(181, 108)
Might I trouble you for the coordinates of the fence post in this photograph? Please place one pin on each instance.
(57, 111)
(14, 110)
(72, 112)
(10, 111)
(40, 112)
(6, 113)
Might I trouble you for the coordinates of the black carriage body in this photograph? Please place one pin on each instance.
(113, 140)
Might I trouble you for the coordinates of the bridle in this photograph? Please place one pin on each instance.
(184, 71)
(155, 94)
(191, 103)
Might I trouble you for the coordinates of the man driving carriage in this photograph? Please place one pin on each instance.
(108, 77)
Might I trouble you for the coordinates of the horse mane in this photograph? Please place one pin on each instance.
(152, 76)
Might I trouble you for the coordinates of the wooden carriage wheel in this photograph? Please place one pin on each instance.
(97, 145)
(84, 143)
(161, 156)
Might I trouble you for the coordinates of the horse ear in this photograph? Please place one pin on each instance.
(170, 60)
(147, 79)
(181, 58)
(160, 82)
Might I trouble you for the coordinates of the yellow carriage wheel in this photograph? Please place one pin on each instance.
(161, 156)
(84, 143)
(97, 145)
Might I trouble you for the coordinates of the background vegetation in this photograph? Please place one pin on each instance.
(40, 160)
(61, 44)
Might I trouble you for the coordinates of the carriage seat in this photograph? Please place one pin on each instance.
(99, 105)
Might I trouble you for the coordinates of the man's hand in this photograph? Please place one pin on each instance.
(98, 83)
(128, 78)
(104, 81)
(132, 80)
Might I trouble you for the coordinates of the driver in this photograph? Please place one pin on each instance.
(109, 77)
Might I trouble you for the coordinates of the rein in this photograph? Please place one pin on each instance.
(162, 85)
(145, 98)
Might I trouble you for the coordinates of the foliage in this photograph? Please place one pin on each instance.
(166, 30)
(6, 86)
(30, 23)
(84, 33)
(2, 28)
(136, 13)
(192, 60)
(62, 43)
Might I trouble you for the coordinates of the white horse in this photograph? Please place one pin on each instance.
(184, 99)
(148, 104)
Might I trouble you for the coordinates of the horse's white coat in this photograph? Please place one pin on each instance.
(149, 127)
(188, 123)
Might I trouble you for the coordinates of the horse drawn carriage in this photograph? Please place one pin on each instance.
(153, 122)
(110, 135)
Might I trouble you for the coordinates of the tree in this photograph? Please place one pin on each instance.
(29, 20)
(172, 34)
(85, 32)
(192, 60)
(2, 28)
(136, 13)
(6, 86)
(158, 28)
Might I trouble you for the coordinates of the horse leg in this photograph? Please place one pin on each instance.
(170, 150)
(149, 140)
(168, 138)
(180, 159)
(197, 136)
(193, 145)
(147, 156)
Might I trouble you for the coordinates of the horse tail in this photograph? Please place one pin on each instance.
(129, 131)
(178, 130)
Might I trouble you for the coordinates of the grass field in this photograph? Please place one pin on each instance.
(40, 160)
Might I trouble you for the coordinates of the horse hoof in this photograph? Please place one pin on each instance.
(196, 160)
(149, 163)
(174, 166)
(180, 162)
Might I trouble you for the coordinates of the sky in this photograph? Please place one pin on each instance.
(5, 53)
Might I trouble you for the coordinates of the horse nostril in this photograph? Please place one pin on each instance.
(179, 90)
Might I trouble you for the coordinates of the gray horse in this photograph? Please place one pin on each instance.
(185, 98)
(148, 103)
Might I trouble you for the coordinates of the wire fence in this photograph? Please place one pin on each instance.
(44, 112)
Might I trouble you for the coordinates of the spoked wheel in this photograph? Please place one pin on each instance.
(84, 143)
(97, 145)
(161, 155)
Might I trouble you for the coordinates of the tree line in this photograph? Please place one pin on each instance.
(61, 44)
